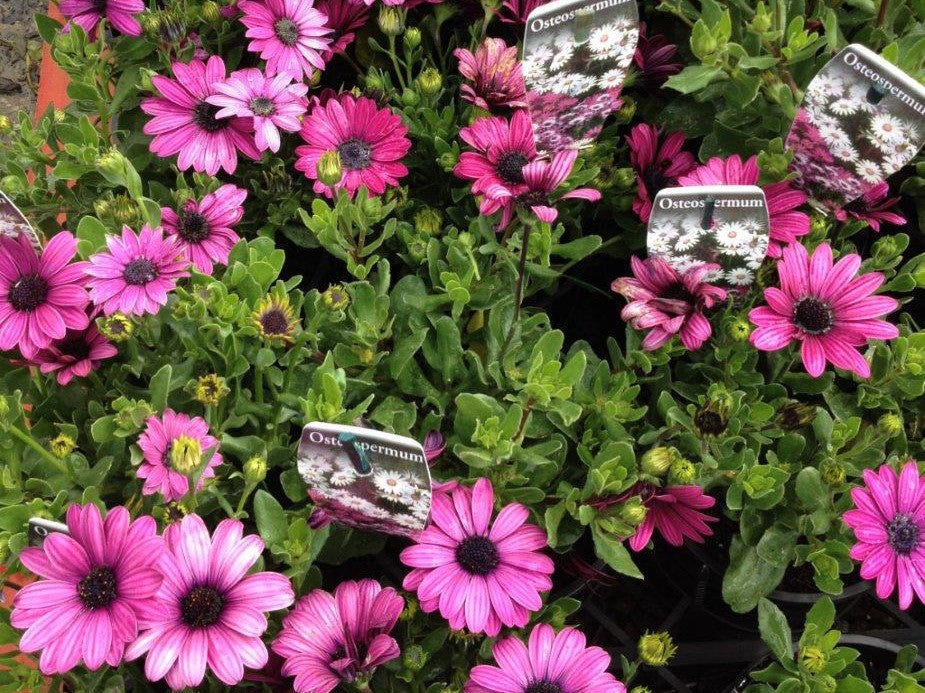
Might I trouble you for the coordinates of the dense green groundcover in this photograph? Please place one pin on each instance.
(405, 309)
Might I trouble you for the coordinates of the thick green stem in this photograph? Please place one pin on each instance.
(45, 454)
(518, 289)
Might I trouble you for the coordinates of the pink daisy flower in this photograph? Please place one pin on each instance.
(550, 663)
(434, 445)
(122, 14)
(185, 123)
(496, 75)
(204, 230)
(667, 302)
(289, 34)
(675, 512)
(541, 178)
(170, 445)
(889, 523)
(40, 297)
(873, 207)
(653, 58)
(370, 140)
(659, 160)
(136, 273)
(480, 574)
(208, 611)
(824, 306)
(75, 355)
(272, 103)
(344, 17)
(95, 581)
(329, 639)
(517, 11)
(787, 224)
(502, 147)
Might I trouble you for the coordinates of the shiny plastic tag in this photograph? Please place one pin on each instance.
(365, 478)
(14, 224)
(39, 528)
(576, 56)
(861, 120)
(722, 224)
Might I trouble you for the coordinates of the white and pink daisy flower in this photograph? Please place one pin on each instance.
(205, 229)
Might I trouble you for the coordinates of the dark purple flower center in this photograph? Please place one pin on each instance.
(262, 106)
(709, 422)
(510, 167)
(543, 687)
(202, 606)
(100, 6)
(813, 316)
(274, 322)
(98, 588)
(678, 292)
(204, 117)
(355, 154)
(193, 227)
(902, 534)
(76, 347)
(140, 272)
(286, 31)
(478, 555)
(654, 177)
(28, 293)
(533, 198)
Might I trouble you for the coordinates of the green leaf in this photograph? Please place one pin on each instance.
(822, 615)
(694, 78)
(271, 518)
(810, 489)
(159, 387)
(749, 577)
(48, 28)
(614, 553)
(775, 631)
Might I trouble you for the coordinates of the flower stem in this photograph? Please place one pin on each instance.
(518, 288)
(881, 12)
(258, 384)
(248, 489)
(45, 454)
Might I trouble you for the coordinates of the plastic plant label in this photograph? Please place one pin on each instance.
(365, 478)
(576, 56)
(861, 120)
(14, 224)
(39, 528)
(723, 224)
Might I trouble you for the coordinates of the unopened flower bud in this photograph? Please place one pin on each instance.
(391, 20)
(211, 11)
(62, 445)
(633, 512)
(414, 658)
(412, 37)
(428, 221)
(682, 472)
(6, 125)
(466, 240)
(833, 473)
(712, 418)
(627, 109)
(124, 210)
(656, 649)
(366, 356)
(336, 297)
(116, 327)
(171, 27)
(795, 415)
(150, 24)
(255, 470)
(640, 689)
(813, 659)
(210, 390)
(658, 460)
(890, 425)
(430, 81)
(330, 169)
(59, 115)
(112, 163)
(185, 454)
(410, 98)
(739, 329)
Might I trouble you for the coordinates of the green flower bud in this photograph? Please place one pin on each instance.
(315, 79)
(890, 425)
(430, 81)
(4, 407)
(682, 472)
(448, 160)
(412, 37)
(795, 415)
(255, 470)
(185, 454)
(640, 689)
(116, 327)
(656, 649)
(813, 659)
(832, 473)
(6, 125)
(428, 221)
(819, 226)
(414, 658)
(62, 445)
(739, 329)
(210, 12)
(633, 512)
(123, 209)
(391, 20)
(657, 461)
(627, 110)
(335, 297)
(113, 164)
(330, 169)
(366, 356)
(151, 24)
(410, 98)
(171, 27)
(712, 418)
(623, 178)
(761, 21)
(466, 240)
(210, 390)
(59, 115)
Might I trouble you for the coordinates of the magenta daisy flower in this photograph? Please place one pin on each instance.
(495, 73)
(550, 663)
(272, 103)
(873, 207)
(122, 14)
(653, 58)
(675, 512)
(94, 583)
(204, 230)
(289, 34)
(173, 446)
(659, 160)
(889, 523)
(434, 445)
(40, 297)
(478, 572)
(541, 179)
(517, 11)
(136, 273)
(667, 302)
(184, 122)
(502, 147)
(787, 224)
(329, 639)
(370, 141)
(344, 17)
(75, 355)
(208, 611)
(824, 306)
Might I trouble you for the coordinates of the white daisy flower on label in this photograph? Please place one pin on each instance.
(713, 275)
(731, 234)
(688, 239)
(845, 152)
(612, 79)
(391, 483)
(843, 107)
(740, 276)
(342, 477)
(604, 39)
(827, 84)
(887, 128)
(869, 171)
(834, 136)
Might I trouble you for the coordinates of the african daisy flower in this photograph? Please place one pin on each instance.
(208, 612)
(502, 147)
(787, 224)
(40, 297)
(204, 230)
(517, 11)
(667, 302)
(370, 141)
(824, 306)
(675, 512)
(478, 572)
(173, 446)
(889, 523)
(873, 207)
(329, 639)
(344, 17)
(659, 160)
(289, 34)
(136, 273)
(275, 319)
(75, 355)
(496, 75)
(653, 58)
(184, 122)
(94, 582)
(122, 14)
(272, 103)
(550, 663)
(541, 179)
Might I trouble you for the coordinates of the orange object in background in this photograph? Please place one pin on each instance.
(53, 80)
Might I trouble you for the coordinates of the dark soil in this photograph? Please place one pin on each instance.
(20, 54)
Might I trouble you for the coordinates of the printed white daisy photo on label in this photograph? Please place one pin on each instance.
(861, 120)
(576, 56)
(39, 528)
(723, 225)
(365, 478)
(14, 224)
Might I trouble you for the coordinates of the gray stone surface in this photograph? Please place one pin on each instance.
(20, 53)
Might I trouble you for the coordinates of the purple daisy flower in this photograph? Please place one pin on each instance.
(120, 13)
(290, 35)
(205, 229)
